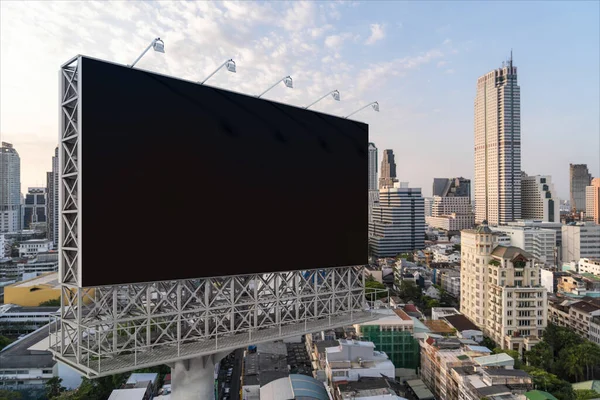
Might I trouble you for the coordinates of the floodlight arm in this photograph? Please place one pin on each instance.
(217, 70)
(145, 51)
(275, 84)
(360, 109)
(319, 99)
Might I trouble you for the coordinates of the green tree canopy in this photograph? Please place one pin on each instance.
(4, 341)
(51, 303)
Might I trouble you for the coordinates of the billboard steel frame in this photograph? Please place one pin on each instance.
(112, 329)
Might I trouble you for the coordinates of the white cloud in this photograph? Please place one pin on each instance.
(377, 33)
(336, 41)
(441, 63)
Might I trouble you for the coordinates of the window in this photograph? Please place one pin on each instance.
(540, 313)
(509, 322)
(509, 313)
(509, 295)
(540, 322)
(509, 304)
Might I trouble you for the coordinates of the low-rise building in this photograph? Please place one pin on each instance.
(580, 315)
(589, 265)
(31, 248)
(354, 359)
(32, 292)
(441, 312)
(465, 329)
(16, 320)
(393, 335)
(369, 389)
(579, 241)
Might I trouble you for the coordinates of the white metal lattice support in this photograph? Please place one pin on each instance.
(111, 329)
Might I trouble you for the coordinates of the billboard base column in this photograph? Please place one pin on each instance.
(195, 378)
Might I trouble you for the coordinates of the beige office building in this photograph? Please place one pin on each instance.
(501, 290)
(592, 201)
(498, 146)
(538, 199)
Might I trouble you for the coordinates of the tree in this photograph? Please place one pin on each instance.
(4, 341)
(570, 360)
(540, 356)
(586, 394)
(410, 291)
(589, 356)
(407, 256)
(51, 303)
(374, 289)
(10, 395)
(456, 247)
(54, 387)
(489, 343)
(551, 383)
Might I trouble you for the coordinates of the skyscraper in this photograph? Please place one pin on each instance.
(579, 178)
(398, 222)
(388, 170)
(34, 209)
(453, 187)
(498, 146)
(372, 166)
(10, 189)
(592, 202)
(52, 203)
(538, 199)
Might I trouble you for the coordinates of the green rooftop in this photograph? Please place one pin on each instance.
(539, 395)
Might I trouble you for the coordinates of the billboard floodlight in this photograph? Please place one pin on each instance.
(374, 104)
(229, 64)
(286, 80)
(334, 93)
(158, 46)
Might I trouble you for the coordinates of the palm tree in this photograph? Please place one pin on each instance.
(572, 362)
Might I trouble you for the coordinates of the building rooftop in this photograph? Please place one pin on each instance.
(506, 372)
(19, 355)
(493, 390)
(142, 377)
(461, 323)
(585, 306)
(539, 395)
(15, 309)
(49, 280)
(438, 326)
(493, 359)
(510, 252)
(128, 394)
(590, 385)
(323, 344)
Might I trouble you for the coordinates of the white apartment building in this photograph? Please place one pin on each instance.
(451, 213)
(580, 241)
(538, 199)
(372, 167)
(10, 189)
(452, 222)
(498, 146)
(354, 359)
(540, 243)
(501, 290)
(589, 265)
(31, 248)
(4, 251)
(398, 222)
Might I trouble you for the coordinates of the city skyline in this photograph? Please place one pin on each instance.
(420, 66)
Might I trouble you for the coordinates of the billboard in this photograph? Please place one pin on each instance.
(180, 180)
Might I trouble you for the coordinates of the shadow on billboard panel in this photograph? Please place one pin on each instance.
(187, 181)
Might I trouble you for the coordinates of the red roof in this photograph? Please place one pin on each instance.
(410, 308)
(402, 314)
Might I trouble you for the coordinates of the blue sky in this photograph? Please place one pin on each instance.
(420, 60)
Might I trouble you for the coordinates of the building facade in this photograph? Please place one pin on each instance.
(398, 222)
(451, 187)
(52, 200)
(498, 146)
(501, 290)
(579, 179)
(540, 243)
(372, 166)
(589, 266)
(580, 241)
(538, 199)
(388, 170)
(34, 209)
(592, 201)
(10, 189)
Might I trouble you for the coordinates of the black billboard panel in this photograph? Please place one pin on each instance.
(181, 181)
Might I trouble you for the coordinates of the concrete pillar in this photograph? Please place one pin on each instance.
(194, 378)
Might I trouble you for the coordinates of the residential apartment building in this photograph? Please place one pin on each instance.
(398, 222)
(594, 333)
(453, 369)
(579, 179)
(580, 315)
(580, 240)
(10, 189)
(589, 265)
(34, 209)
(538, 199)
(388, 170)
(592, 201)
(498, 146)
(501, 291)
(540, 243)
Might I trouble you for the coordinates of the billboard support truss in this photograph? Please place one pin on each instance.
(112, 329)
